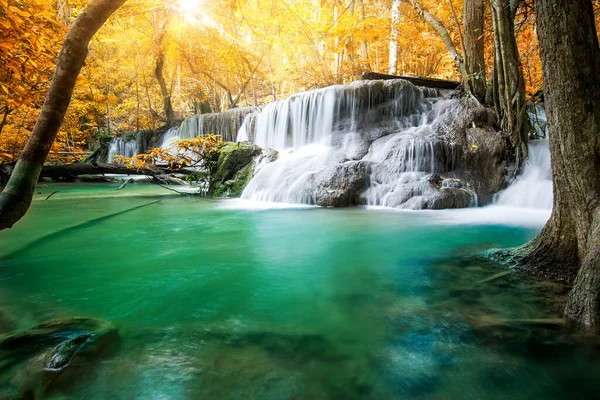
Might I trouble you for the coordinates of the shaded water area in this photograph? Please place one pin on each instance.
(216, 301)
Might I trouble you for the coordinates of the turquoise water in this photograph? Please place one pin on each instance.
(215, 302)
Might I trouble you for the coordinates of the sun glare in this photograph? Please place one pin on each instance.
(190, 6)
(192, 10)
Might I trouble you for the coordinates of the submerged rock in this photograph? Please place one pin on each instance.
(39, 358)
(62, 354)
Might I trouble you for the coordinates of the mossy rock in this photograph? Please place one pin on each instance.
(233, 157)
(235, 168)
(234, 187)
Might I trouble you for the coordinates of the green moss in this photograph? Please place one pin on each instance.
(233, 157)
(234, 169)
(234, 187)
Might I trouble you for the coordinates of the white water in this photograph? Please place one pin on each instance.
(121, 147)
(533, 188)
(169, 138)
(393, 127)
(388, 126)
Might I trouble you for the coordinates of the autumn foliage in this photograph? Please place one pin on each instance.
(217, 55)
(201, 151)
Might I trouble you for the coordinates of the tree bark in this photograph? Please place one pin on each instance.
(158, 73)
(571, 62)
(511, 107)
(473, 21)
(393, 58)
(5, 113)
(363, 46)
(16, 196)
(569, 245)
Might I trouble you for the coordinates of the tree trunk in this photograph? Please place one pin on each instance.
(473, 21)
(510, 83)
(570, 241)
(4, 118)
(158, 72)
(363, 47)
(16, 196)
(393, 58)
(443, 32)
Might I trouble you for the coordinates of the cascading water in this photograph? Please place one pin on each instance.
(374, 142)
(122, 147)
(226, 124)
(533, 188)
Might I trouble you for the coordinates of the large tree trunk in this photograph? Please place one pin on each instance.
(511, 107)
(16, 196)
(473, 21)
(571, 61)
(569, 244)
(393, 58)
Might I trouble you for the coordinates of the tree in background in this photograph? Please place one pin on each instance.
(393, 58)
(508, 80)
(473, 23)
(236, 53)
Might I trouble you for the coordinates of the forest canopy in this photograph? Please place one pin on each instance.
(210, 56)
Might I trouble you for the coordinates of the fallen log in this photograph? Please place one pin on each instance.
(70, 172)
(415, 80)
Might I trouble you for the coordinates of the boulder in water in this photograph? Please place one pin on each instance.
(448, 197)
(341, 184)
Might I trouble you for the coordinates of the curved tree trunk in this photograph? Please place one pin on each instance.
(508, 74)
(16, 196)
(473, 21)
(569, 245)
(443, 32)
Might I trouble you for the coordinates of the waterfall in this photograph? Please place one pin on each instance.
(122, 147)
(227, 124)
(533, 188)
(385, 130)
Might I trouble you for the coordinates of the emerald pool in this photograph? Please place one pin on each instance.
(215, 300)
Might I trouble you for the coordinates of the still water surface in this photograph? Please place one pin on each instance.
(216, 301)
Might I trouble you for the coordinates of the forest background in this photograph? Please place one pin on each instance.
(214, 55)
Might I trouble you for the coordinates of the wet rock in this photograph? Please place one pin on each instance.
(452, 184)
(481, 148)
(435, 180)
(341, 184)
(485, 162)
(418, 191)
(450, 198)
(237, 164)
